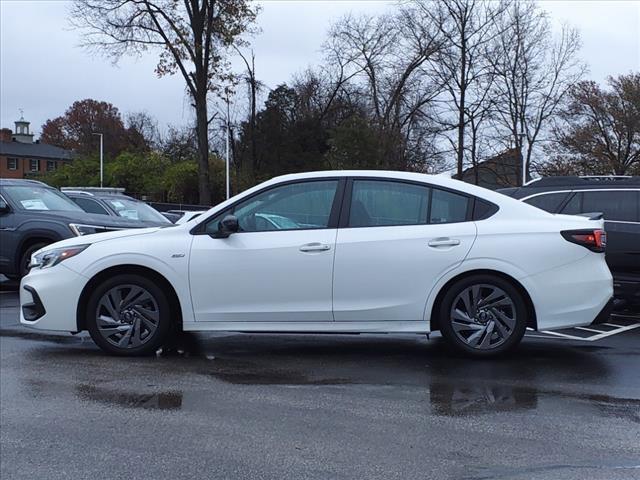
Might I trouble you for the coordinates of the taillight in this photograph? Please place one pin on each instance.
(594, 240)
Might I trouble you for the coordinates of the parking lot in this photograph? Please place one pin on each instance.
(313, 406)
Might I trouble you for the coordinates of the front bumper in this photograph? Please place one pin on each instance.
(49, 298)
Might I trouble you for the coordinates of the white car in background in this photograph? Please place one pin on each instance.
(335, 251)
(187, 215)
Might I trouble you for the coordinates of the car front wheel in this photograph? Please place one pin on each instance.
(128, 315)
(483, 315)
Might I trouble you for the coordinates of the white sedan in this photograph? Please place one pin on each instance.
(350, 252)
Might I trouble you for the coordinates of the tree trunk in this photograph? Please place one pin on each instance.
(202, 132)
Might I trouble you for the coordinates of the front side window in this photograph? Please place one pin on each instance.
(34, 165)
(12, 163)
(448, 207)
(297, 206)
(377, 203)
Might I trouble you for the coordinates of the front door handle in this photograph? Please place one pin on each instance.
(315, 247)
(444, 242)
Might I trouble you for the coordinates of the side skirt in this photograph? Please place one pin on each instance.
(421, 327)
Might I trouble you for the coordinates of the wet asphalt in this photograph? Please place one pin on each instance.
(240, 406)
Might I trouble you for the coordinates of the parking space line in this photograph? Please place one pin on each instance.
(593, 338)
(590, 329)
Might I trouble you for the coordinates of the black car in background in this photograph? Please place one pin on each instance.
(618, 199)
(106, 201)
(33, 215)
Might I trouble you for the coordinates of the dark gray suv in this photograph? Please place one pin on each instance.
(33, 215)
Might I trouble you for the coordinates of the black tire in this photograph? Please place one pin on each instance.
(492, 326)
(159, 305)
(25, 258)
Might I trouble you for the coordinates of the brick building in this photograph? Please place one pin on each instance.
(20, 156)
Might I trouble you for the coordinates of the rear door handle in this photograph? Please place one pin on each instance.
(444, 242)
(315, 247)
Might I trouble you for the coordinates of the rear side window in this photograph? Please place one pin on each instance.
(376, 203)
(548, 201)
(448, 207)
(90, 206)
(615, 205)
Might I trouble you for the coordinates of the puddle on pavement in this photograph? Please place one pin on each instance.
(171, 400)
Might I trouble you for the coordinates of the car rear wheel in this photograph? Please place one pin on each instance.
(483, 315)
(128, 315)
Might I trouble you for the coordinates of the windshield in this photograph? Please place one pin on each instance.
(34, 197)
(135, 210)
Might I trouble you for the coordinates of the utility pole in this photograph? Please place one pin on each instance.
(101, 159)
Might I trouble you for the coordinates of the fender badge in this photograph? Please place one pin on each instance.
(177, 255)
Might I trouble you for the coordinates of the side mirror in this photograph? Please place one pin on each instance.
(4, 207)
(227, 226)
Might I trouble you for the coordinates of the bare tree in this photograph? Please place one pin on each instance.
(384, 58)
(192, 37)
(468, 28)
(534, 71)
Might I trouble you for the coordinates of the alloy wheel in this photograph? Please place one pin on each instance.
(127, 316)
(483, 316)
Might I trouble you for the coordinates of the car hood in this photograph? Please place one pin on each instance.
(101, 237)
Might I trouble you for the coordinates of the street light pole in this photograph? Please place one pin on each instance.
(227, 160)
(101, 159)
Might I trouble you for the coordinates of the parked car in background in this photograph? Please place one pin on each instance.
(333, 252)
(107, 201)
(34, 215)
(618, 198)
(172, 217)
(183, 216)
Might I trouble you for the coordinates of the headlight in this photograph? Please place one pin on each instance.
(79, 229)
(49, 258)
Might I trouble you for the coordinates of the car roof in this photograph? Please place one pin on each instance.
(568, 183)
(99, 195)
(22, 181)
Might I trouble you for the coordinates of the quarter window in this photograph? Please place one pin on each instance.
(297, 206)
(448, 207)
(376, 203)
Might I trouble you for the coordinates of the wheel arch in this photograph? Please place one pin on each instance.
(434, 318)
(28, 241)
(161, 280)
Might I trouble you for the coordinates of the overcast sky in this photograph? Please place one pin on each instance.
(43, 71)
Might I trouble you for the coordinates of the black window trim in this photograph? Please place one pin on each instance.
(201, 228)
(346, 204)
